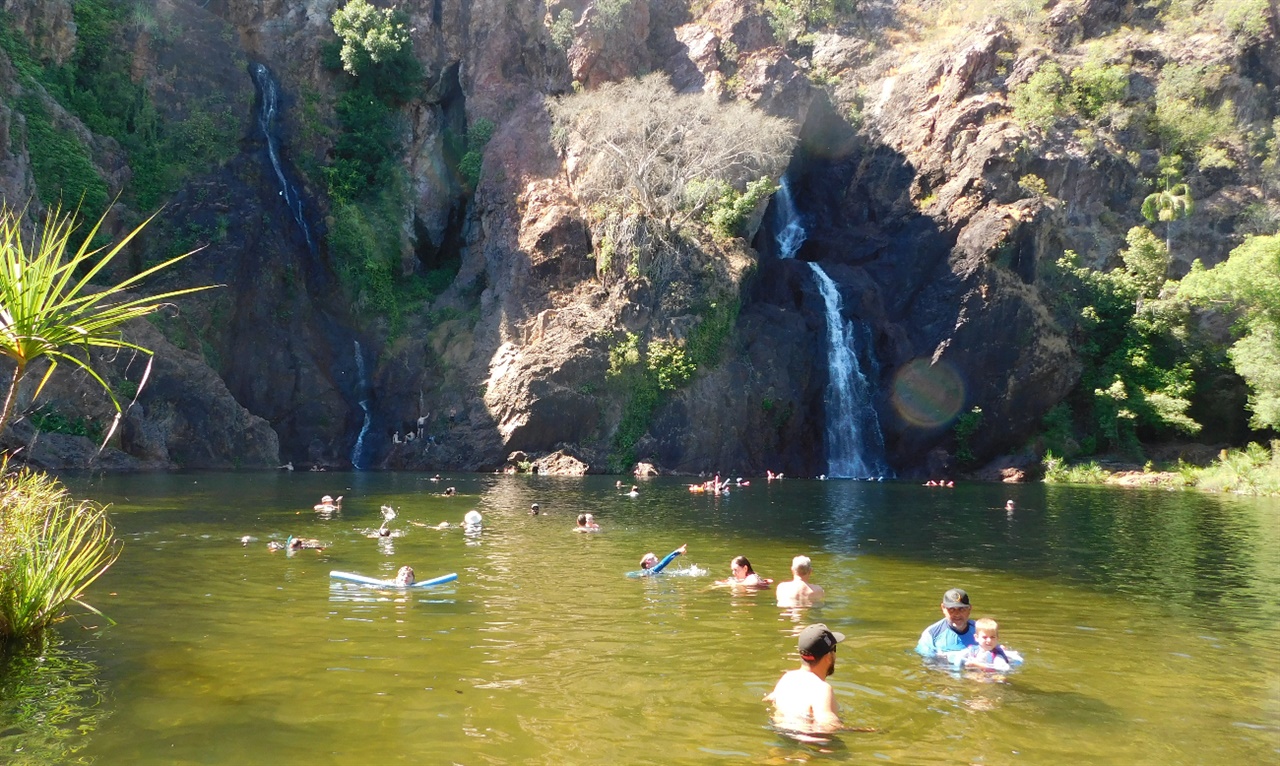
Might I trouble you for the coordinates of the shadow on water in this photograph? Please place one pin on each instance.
(49, 703)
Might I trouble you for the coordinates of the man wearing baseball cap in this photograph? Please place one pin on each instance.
(803, 700)
(953, 632)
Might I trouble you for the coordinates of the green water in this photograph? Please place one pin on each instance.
(1148, 621)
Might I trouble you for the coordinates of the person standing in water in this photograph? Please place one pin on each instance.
(953, 632)
(798, 591)
(802, 700)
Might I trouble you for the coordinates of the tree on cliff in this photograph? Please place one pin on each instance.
(49, 311)
(638, 144)
(1248, 282)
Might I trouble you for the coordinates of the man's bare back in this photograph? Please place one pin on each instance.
(804, 702)
(799, 593)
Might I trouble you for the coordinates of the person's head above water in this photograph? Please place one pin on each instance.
(987, 632)
(534, 509)
(955, 606)
(582, 519)
(740, 567)
(1008, 505)
(801, 566)
(473, 518)
(648, 561)
(405, 576)
(816, 642)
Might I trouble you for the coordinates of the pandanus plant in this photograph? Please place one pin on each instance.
(48, 309)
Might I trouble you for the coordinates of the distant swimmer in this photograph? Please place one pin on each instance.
(328, 504)
(473, 519)
(635, 491)
(1009, 506)
(450, 491)
(744, 576)
(534, 510)
(798, 591)
(296, 544)
(586, 523)
(404, 577)
(650, 565)
(802, 700)
(436, 477)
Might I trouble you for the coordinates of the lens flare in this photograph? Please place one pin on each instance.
(927, 395)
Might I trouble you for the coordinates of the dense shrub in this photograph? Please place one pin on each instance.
(1043, 99)
(51, 549)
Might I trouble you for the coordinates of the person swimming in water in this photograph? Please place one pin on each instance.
(535, 509)
(328, 504)
(650, 565)
(744, 576)
(472, 519)
(296, 544)
(404, 577)
(586, 523)
(635, 491)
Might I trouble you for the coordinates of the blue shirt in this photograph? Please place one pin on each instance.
(661, 565)
(941, 637)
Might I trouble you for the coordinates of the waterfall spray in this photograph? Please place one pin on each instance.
(362, 391)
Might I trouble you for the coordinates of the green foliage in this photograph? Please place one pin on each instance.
(963, 429)
(791, 19)
(1034, 184)
(1056, 471)
(1254, 470)
(478, 135)
(370, 36)
(730, 210)
(1043, 99)
(1096, 85)
(1136, 370)
(1246, 20)
(706, 341)
(1249, 283)
(48, 310)
(609, 13)
(669, 365)
(624, 356)
(1057, 432)
(51, 550)
(1169, 204)
(1185, 119)
(54, 422)
(562, 29)
(1147, 261)
(63, 170)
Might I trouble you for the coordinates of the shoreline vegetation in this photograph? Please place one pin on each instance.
(1253, 470)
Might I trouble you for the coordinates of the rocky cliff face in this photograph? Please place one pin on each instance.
(908, 176)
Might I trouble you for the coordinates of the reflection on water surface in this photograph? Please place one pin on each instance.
(1148, 621)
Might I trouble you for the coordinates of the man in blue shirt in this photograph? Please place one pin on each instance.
(954, 631)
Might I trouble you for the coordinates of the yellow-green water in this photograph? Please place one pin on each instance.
(1148, 622)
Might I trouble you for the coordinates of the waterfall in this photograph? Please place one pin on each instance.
(791, 233)
(270, 93)
(362, 391)
(854, 442)
(855, 446)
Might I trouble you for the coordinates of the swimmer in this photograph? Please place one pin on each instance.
(450, 491)
(802, 700)
(617, 484)
(651, 566)
(473, 519)
(534, 510)
(436, 477)
(954, 632)
(586, 523)
(296, 544)
(799, 591)
(1009, 506)
(744, 576)
(635, 491)
(404, 577)
(329, 504)
(988, 653)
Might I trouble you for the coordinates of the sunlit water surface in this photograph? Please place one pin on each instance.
(1148, 622)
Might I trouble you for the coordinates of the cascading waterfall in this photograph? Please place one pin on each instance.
(270, 93)
(362, 391)
(854, 442)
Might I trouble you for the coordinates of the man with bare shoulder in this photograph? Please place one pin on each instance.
(798, 591)
(803, 701)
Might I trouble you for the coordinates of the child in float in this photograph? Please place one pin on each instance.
(650, 565)
(586, 523)
(744, 575)
(988, 653)
(404, 577)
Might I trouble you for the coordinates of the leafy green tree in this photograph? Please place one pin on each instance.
(1172, 203)
(1248, 282)
(1042, 100)
(369, 35)
(49, 311)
